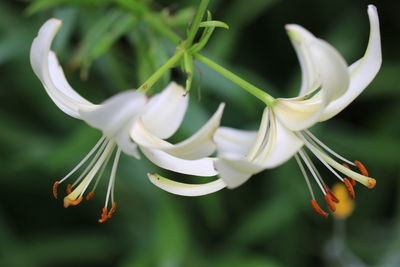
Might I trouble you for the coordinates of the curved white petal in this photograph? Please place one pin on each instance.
(182, 189)
(279, 147)
(47, 69)
(116, 113)
(197, 146)
(199, 167)
(298, 114)
(125, 143)
(261, 135)
(234, 140)
(301, 38)
(363, 71)
(235, 169)
(165, 111)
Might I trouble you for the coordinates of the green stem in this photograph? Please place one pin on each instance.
(160, 72)
(255, 91)
(196, 22)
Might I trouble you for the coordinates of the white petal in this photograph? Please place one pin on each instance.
(301, 38)
(47, 69)
(200, 144)
(189, 190)
(199, 167)
(165, 111)
(234, 140)
(363, 71)
(235, 169)
(197, 146)
(125, 143)
(261, 135)
(280, 146)
(116, 113)
(298, 114)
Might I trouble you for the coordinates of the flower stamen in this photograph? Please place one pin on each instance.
(349, 188)
(104, 215)
(318, 209)
(362, 168)
(353, 182)
(90, 195)
(68, 189)
(330, 203)
(55, 187)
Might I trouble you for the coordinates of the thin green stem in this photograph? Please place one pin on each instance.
(196, 22)
(255, 91)
(160, 72)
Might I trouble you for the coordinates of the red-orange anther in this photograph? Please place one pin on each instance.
(353, 182)
(361, 168)
(55, 187)
(330, 203)
(332, 196)
(104, 216)
(90, 196)
(112, 210)
(318, 209)
(68, 189)
(349, 188)
(76, 201)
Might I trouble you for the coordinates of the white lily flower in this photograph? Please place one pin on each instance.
(125, 114)
(328, 86)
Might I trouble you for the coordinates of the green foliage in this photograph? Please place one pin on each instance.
(117, 45)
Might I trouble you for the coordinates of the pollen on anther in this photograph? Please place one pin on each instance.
(90, 196)
(112, 210)
(330, 203)
(104, 215)
(371, 183)
(349, 188)
(68, 189)
(55, 187)
(361, 168)
(76, 201)
(332, 196)
(318, 209)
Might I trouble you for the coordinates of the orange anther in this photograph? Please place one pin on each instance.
(361, 168)
(371, 183)
(55, 186)
(76, 201)
(104, 216)
(68, 189)
(318, 209)
(349, 187)
(112, 210)
(90, 196)
(332, 196)
(330, 203)
(353, 182)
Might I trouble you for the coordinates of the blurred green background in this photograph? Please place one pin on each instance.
(107, 46)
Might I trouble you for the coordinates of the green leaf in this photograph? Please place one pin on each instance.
(214, 23)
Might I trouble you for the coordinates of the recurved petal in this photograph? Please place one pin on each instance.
(116, 113)
(234, 141)
(301, 112)
(199, 167)
(197, 146)
(165, 111)
(363, 71)
(301, 38)
(235, 169)
(279, 147)
(46, 67)
(189, 190)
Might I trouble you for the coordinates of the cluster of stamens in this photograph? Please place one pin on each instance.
(75, 192)
(321, 151)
